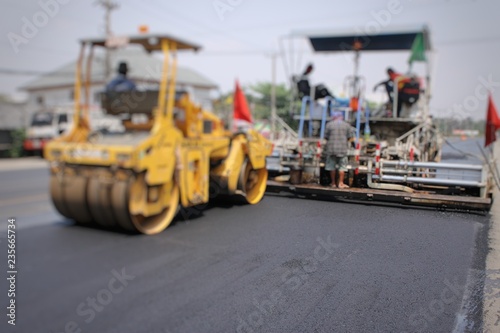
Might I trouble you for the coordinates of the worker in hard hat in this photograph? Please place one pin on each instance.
(338, 132)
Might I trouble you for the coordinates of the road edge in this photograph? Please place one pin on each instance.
(491, 292)
(22, 163)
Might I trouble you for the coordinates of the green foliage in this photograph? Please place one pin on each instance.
(260, 100)
(5, 98)
(18, 137)
(223, 107)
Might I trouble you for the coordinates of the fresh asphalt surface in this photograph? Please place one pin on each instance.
(285, 265)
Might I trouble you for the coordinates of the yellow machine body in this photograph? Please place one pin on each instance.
(180, 155)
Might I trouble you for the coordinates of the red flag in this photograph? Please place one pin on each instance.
(492, 123)
(241, 109)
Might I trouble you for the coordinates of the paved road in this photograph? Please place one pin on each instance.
(286, 265)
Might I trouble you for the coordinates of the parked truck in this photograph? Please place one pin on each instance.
(44, 126)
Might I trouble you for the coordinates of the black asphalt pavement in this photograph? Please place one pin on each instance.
(284, 265)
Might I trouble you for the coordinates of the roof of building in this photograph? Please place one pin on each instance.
(142, 67)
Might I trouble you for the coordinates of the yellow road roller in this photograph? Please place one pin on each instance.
(176, 154)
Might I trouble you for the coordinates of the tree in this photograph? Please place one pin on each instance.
(5, 98)
(260, 100)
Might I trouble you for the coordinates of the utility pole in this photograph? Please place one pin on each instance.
(273, 96)
(108, 6)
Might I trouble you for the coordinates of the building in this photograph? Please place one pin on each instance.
(12, 114)
(13, 117)
(56, 88)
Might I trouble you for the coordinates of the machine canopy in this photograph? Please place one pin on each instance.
(150, 42)
(385, 40)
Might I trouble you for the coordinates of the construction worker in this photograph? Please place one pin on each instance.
(121, 82)
(304, 87)
(338, 132)
(389, 85)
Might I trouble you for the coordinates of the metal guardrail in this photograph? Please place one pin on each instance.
(433, 165)
(432, 173)
(429, 181)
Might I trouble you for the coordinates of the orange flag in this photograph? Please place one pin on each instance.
(241, 109)
(492, 123)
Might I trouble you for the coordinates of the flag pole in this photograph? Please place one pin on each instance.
(232, 123)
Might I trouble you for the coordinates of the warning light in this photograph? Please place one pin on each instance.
(357, 45)
(143, 29)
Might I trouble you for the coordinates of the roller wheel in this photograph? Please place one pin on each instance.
(74, 190)
(69, 197)
(126, 195)
(56, 193)
(100, 203)
(119, 204)
(252, 182)
(156, 223)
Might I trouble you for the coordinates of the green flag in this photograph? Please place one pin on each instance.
(417, 49)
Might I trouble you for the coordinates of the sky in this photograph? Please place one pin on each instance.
(239, 38)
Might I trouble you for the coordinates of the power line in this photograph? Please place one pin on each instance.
(108, 6)
(207, 27)
(470, 40)
(188, 22)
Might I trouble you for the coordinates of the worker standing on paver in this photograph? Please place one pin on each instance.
(338, 132)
